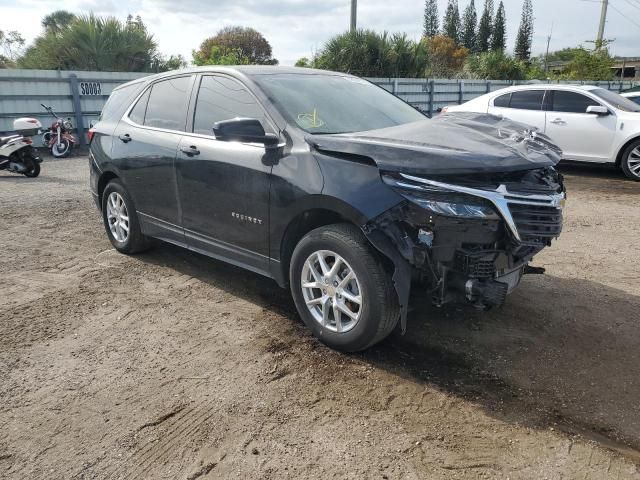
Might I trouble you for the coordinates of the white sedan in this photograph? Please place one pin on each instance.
(589, 124)
(634, 96)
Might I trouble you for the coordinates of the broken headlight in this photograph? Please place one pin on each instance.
(442, 201)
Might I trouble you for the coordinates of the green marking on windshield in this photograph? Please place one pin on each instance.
(310, 120)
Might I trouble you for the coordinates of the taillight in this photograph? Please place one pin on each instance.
(32, 120)
(90, 134)
(444, 110)
(27, 140)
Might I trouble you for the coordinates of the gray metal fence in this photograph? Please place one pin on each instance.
(76, 94)
(81, 95)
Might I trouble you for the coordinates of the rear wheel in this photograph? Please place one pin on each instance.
(33, 169)
(341, 289)
(121, 221)
(631, 161)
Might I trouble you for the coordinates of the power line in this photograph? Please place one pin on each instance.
(633, 4)
(624, 15)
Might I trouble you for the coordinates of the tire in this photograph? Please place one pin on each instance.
(33, 169)
(61, 152)
(630, 162)
(378, 311)
(131, 241)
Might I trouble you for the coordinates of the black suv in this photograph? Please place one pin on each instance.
(328, 184)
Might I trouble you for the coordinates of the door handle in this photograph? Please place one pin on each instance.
(190, 151)
(126, 138)
(558, 121)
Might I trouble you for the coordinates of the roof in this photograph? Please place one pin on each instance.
(545, 86)
(247, 70)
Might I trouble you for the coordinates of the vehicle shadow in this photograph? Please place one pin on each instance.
(562, 352)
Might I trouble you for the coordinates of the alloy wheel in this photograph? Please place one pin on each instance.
(118, 217)
(331, 291)
(633, 161)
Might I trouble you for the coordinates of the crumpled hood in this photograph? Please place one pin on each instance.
(452, 143)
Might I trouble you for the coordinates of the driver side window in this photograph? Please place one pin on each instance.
(222, 98)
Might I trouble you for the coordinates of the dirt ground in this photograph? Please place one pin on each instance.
(173, 365)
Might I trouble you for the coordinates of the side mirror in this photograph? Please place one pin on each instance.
(246, 130)
(598, 110)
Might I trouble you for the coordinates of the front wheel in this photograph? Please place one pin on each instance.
(341, 288)
(631, 161)
(62, 149)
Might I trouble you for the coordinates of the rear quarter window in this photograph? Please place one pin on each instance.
(118, 102)
(502, 101)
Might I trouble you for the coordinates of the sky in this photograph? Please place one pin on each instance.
(297, 28)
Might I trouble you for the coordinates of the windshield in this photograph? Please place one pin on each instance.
(618, 101)
(335, 104)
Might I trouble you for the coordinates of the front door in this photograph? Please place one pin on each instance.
(144, 148)
(223, 185)
(581, 135)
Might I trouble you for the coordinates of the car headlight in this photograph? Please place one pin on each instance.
(441, 201)
(454, 209)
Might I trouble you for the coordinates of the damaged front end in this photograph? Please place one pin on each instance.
(468, 237)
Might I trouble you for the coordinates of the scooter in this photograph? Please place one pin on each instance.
(17, 154)
(59, 138)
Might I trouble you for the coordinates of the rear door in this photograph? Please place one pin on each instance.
(144, 148)
(581, 135)
(524, 106)
(224, 186)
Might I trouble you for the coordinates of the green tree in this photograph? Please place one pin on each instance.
(11, 45)
(431, 24)
(90, 42)
(590, 65)
(525, 32)
(245, 42)
(57, 21)
(220, 56)
(446, 58)
(485, 27)
(451, 26)
(368, 53)
(496, 65)
(469, 38)
(303, 62)
(564, 55)
(173, 62)
(499, 35)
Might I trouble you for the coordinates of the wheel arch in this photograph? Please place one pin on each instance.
(622, 149)
(103, 181)
(316, 211)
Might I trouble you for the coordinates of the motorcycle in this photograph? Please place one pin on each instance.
(17, 154)
(59, 138)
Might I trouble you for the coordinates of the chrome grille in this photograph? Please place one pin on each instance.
(537, 225)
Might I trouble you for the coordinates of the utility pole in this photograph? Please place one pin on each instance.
(603, 20)
(546, 55)
(354, 14)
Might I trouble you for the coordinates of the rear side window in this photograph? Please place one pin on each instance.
(139, 111)
(221, 98)
(502, 101)
(527, 99)
(118, 102)
(636, 99)
(167, 105)
(571, 102)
